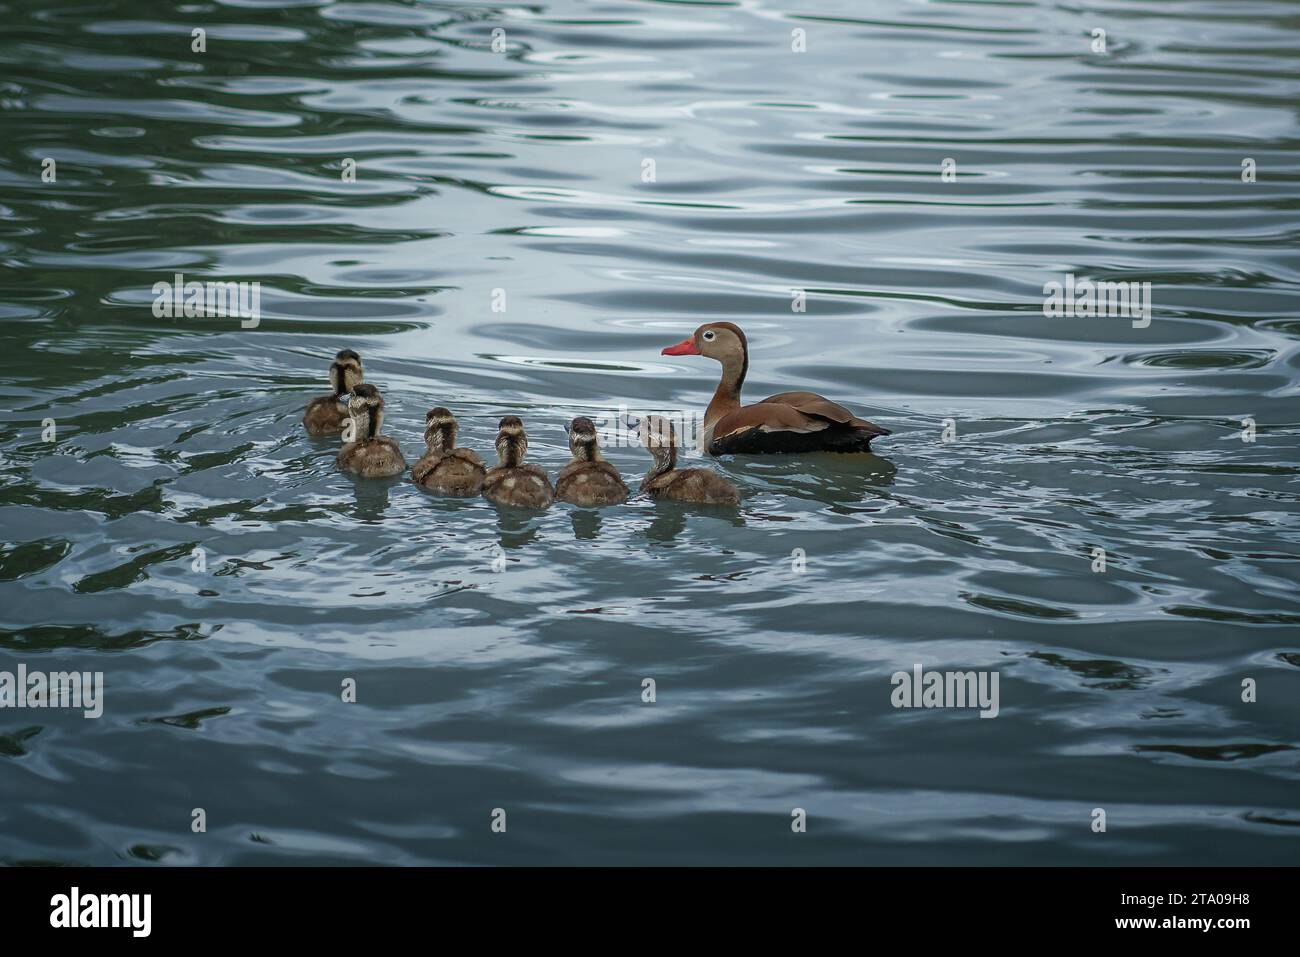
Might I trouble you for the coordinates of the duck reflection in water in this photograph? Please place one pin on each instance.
(586, 523)
(840, 481)
(517, 527)
(371, 497)
(667, 524)
(670, 519)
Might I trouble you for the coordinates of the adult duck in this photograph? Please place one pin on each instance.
(786, 422)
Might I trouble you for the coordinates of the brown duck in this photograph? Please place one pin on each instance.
(588, 480)
(787, 422)
(328, 414)
(446, 469)
(666, 481)
(512, 482)
(368, 453)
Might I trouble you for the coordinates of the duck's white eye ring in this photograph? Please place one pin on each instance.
(708, 336)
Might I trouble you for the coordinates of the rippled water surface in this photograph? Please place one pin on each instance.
(522, 169)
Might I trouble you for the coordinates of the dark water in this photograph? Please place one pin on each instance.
(522, 170)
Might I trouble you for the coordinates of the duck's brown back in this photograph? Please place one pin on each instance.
(458, 472)
(324, 416)
(591, 483)
(374, 458)
(701, 486)
(525, 486)
(792, 422)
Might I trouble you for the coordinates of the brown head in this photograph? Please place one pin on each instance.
(512, 441)
(723, 341)
(346, 372)
(440, 430)
(660, 438)
(367, 410)
(582, 440)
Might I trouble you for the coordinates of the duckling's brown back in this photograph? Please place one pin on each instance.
(524, 486)
(591, 483)
(324, 416)
(701, 486)
(459, 472)
(373, 458)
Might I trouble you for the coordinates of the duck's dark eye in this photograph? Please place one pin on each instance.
(708, 337)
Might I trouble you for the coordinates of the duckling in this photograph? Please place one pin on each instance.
(368, 453)
(511, 482)
(588, 480)
(328, 414)
(444, 468)
(666, 481)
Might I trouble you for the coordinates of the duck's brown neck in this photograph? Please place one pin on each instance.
(726, 398)
(367, 424)
(586, 452)
(511, 449)
(665, 461)
(440, 438)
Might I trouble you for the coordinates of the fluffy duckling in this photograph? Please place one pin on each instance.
(368, 453)
(666, 481)
(444, 468)
(328, 414)
(588, 480)
(512, 482)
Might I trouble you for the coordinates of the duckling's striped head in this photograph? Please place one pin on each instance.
(346, 372)
(512, 441)
(367, 410)
(657, 433)
(440, 430)
(582, 439)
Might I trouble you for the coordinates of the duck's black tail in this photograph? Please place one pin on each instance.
(760, 442)
(855, 440)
